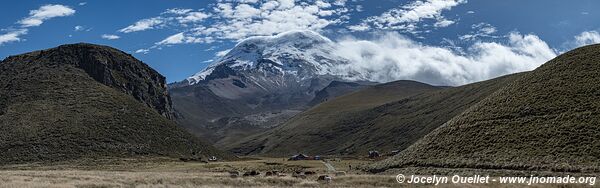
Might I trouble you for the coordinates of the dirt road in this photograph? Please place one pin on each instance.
(329, 166)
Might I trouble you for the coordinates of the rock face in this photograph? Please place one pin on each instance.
(110, 67)
(546, 120)
(87, 101)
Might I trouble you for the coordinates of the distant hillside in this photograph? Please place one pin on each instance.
(85, 100)
(337, 126)
(547, 119)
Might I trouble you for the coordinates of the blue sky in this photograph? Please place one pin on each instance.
(180, 37)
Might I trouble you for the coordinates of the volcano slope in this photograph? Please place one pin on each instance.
(387, 117)
(86, 101)
(259, 84)
(546, 120)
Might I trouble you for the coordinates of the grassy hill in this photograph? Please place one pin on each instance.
(336, 89)
(548, 119)
(385, 118)
(52, 109)
(224, 121)
(332, 127)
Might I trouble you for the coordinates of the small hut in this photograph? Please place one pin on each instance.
(373, 154)
(299, 157)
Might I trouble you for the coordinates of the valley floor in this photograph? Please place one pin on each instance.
(162, 172)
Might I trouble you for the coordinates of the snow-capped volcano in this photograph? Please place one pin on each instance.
(260, 83)
(301, 54)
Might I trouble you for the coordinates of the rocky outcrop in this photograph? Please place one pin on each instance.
(85, 101)
(110, 67)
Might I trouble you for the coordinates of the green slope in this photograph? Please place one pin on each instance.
(331, 127)
(549, 119)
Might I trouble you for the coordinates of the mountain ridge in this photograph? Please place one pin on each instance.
(110, 67)
(52, 109)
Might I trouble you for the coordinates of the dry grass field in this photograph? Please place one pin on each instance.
(163, 172)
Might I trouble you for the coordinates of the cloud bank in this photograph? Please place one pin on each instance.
(391, 57)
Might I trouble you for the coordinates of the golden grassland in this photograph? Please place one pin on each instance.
(163, 172)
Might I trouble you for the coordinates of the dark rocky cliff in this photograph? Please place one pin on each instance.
(110, 67)
(85, 101)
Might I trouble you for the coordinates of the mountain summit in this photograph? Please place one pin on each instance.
(298, 54)
(258, 84)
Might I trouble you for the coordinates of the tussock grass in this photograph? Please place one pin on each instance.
(163, 172)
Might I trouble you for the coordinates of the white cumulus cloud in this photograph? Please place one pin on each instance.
(144, 24)
(173, 39)
(110, 37)
(37, 17)
(143, 51)
(443, 23)
(179, 11)
(237, 20)
(192, 17)
(407, 17)
(181, 38)
(587, 38)
(12, 36)
(392, 57)
(480, 30)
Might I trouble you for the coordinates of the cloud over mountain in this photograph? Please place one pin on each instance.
(391, 56)
(587, 38)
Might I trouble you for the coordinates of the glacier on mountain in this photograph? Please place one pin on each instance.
(301, 54)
